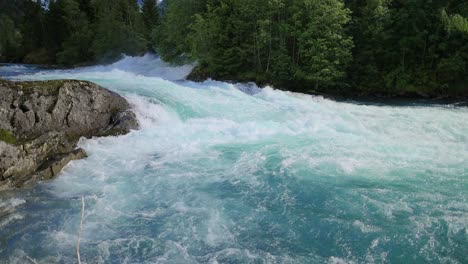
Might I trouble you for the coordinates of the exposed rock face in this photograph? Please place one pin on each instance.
(41, 122)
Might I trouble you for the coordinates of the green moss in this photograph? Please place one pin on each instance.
(7, 136)
(52, 86)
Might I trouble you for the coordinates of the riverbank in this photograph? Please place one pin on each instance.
(336, 94)
(345, 94)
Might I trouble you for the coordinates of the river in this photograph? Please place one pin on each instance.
(230, 173)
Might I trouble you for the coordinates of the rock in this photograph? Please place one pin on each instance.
(52, 167)
(120, 124)
(198, 75)
(41, 123)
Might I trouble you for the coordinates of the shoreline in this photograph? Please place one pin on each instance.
(380, 98)
(361, 98)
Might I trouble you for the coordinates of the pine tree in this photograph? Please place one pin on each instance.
(71, 33)
(171, 38)
(10, 41)
(32, 31)
(119, 30)
(324, 49)
(150, 14)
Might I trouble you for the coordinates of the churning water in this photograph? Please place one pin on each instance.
(225, 173)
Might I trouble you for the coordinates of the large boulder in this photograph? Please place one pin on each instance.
(41, 123)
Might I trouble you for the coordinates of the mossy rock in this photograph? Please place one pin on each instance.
(52, 87)
(7, 137)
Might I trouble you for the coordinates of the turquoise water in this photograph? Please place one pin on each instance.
(225, 173)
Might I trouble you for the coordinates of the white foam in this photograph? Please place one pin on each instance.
(13, 68)
(337, 260)
(148, 65)
(9, 212)
(11, 203)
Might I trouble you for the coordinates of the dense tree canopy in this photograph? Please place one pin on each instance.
(347, 46)
(275, 40)
(69, 32)
(119, 29)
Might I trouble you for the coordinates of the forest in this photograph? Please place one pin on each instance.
(350, 47)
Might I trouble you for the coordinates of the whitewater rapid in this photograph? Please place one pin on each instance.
(230, 173)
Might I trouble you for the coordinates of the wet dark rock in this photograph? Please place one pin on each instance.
(41, 123)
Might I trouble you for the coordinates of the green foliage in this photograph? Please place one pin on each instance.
(299, 41)
(72, 32)
(38, 56)
(20, 28)
(405, 47)
(324, 48)
(390, 47)
(150, 15)
(455, 23)
(170, 39)
(10, 40)
(119, 30)
(32, 27)
(217, 39)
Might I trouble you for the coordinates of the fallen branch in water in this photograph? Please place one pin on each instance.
(31, 259)
(80, 230)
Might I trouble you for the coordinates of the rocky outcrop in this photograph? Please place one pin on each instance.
(41, 123)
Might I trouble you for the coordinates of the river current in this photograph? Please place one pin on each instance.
(231, 173)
